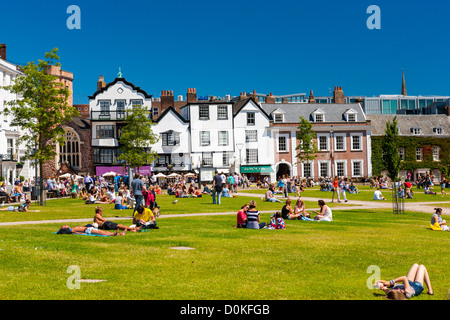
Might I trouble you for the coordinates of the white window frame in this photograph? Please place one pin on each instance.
(353, 167)
(251, 135)
(419, 152)
(202, 134)
(254, 118)
(200, 111)
(436, 150)
(220, 113)
(360, 135)
(276, 119)
(344, 162)
(327, 137)
(222, 137)
(286, 136)
(311, 163)
(319, 114)
(344, 136)
(416, 131)
(319, 169)
(353, 115)
(401, 153)
(438, 130)
(248, 155)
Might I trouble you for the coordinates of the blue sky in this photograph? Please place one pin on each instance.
(223, 48)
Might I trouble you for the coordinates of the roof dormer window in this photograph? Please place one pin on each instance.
(438, 130)
(416, 130)
(350, 115)
(318, 115)
(279, 117)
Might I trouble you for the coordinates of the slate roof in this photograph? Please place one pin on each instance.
(406, 122)
(334, 112)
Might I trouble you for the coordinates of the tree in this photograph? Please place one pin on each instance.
(40, 111)
(391, 159)
(307, 149)
(135, 139)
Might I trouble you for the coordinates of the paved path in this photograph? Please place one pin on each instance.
(426, 207)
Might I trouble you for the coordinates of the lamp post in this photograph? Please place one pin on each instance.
(331, 151)
(240, 146)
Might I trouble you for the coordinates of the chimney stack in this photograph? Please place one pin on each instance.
(270, 98)
(311, 98)
(191, 95)
(3, 51)
(167, 99)
(338, 95)
(101, 83)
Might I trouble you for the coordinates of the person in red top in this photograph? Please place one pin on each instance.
(242, 217)
(336, 190)
(408, 192)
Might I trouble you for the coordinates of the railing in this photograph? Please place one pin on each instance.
(113, 115)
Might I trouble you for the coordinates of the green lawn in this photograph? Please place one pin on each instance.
(308, 260)
(76, 209)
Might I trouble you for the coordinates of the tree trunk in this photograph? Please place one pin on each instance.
(41, 184)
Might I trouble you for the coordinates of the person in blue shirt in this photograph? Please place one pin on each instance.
(116, 182)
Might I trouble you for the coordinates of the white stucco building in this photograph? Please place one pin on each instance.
(12, 164)
(173, 147)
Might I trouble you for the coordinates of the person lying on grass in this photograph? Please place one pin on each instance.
(24, 207)
(65, 229)
(109, 225)
(412, 284)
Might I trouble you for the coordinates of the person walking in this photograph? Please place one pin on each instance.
(217, 187)
(336, 190)
(136, 186)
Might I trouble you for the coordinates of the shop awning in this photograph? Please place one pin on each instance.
(256, 169)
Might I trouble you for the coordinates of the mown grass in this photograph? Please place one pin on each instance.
(307, 260)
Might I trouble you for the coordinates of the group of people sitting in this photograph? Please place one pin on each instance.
(143, 218)
(249, 217)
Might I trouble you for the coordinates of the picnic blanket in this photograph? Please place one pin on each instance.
(92, 235)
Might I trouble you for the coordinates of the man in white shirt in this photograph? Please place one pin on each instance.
(377, 195)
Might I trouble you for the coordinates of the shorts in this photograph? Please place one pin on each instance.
(88, 230)
(417, 286)
(109, 225)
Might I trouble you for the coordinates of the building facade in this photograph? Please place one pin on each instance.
(12, 164)
(343, 140)
(108, 110)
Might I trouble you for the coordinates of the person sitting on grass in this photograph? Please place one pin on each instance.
(325, 213)
(427, 190)
(276, 222)
(65, 229)
(270, 196)
(242, 217)
(253, 217)
(206, 189)
(142, 217)
(377, 195)
(108, 225)
(226, 191)
(120, 202)
(352, 188)
(300, 210)
(436, 220)
(286, 211)
(407, 287)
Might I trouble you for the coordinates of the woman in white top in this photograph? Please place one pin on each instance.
(325, 213)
